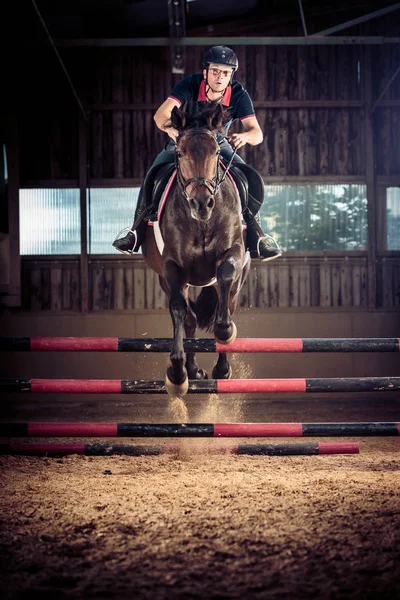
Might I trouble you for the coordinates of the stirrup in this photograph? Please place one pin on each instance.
(276, 250)
(129, 230)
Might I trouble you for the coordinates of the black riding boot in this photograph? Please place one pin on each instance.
(132, 241)
(259, 244)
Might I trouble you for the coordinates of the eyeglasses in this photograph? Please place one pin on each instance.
(217, 72)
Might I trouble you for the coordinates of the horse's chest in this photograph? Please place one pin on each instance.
(207, 246)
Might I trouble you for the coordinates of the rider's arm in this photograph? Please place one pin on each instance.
(163, 115)
(253, 131)
(252, 134)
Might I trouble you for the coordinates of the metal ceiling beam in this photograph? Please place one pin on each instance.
(234, 41)
(303, 21)
(177, 32)
(368, 17)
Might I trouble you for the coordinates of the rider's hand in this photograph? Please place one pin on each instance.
(237, 140)
(173, 133)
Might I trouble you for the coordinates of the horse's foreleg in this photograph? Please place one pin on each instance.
(227, 274)
(190, 329)
(176, 380)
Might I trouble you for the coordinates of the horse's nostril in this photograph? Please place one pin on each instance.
(210, 203)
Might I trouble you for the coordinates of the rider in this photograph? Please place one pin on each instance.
(214, 85)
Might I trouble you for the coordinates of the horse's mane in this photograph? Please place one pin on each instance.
(213, 116)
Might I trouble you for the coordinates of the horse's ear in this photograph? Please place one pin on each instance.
(218, 118)
(178, 118)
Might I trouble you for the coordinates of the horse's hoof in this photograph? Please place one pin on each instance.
(232, 338)
(217, 375)
(201, 374)
(176, 389)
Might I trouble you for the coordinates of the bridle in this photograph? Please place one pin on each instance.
(212, 185)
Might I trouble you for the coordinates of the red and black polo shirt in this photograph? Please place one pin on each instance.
(193, 89)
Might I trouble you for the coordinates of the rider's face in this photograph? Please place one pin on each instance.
(218, 76)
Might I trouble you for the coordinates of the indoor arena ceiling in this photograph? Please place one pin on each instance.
(70, 19)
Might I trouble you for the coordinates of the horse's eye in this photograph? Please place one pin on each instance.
(178, 154)
(218, 152)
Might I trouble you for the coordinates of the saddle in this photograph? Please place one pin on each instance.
(250, 186)
(154, 185)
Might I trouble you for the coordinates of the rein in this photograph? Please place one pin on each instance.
(212, 185)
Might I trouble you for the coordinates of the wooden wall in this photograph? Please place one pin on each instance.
(314, 105)
(120, 284)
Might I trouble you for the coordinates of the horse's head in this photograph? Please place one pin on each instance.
(197, 157)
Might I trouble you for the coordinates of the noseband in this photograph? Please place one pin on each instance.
(212, 185)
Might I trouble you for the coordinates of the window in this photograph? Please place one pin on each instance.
(49, 221)
(109, 211)
(393, 218)
(301, 217)
(316, 217)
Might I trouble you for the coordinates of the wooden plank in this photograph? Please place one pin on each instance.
(36, 289)
(356, 285)
(283, 294)
(281, 144)
(252, 286)
(395, 142)
(13, 185)
(118, 291)
(26, 285)
(304, 285)
(325, 292)
(346, 271)
(302, 142)
(396, 284)
(118, 143)
(387, 284)
(341, 145)
(97, 288)
(149, 288)
(383, 135)
(96, 125)
(66, 289)
(56, 289)
(128, 271)
(138, 287)
(45, 289)
(357, 142)
(108, 297)
(75, 289)
(262, 286)
(294, 288)
(311, 143)
(364, 285)
(336, 285)
(273, 286)
(127, 117)
(323, 147)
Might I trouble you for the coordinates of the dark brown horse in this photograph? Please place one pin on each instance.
(201, 226)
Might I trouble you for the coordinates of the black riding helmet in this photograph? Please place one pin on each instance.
(221, 55)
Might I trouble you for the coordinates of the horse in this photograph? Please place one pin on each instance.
(201, 225)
